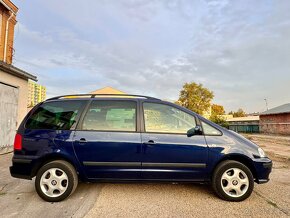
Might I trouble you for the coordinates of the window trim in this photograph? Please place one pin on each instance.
(164, 133)
(79, 126)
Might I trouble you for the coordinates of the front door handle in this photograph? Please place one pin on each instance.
(150, 142)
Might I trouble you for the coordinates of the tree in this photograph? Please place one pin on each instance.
(195, 97)
(216, 115)
(239, 113)
(219, 120)
(217, 109)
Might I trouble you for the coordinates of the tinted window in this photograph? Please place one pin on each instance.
(58, 115)
(166, 119)
(111, 116)
(209, 130)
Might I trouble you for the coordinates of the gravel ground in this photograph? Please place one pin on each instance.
(167, 200)
(277, 147)
(19, 199)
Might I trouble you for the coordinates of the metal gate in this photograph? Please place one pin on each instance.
(8, 114)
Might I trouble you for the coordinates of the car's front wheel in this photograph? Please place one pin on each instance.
(233, 181)
(56, 180)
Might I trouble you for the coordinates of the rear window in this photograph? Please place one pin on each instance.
(58, 115)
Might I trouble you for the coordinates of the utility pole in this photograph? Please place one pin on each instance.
(265, 99)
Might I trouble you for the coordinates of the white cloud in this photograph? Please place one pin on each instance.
(153, 47)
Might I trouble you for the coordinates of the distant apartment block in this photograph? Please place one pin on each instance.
(36, 93)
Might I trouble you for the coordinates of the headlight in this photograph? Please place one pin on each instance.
(261, 152)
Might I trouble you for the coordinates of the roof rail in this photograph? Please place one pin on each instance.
(97, 95)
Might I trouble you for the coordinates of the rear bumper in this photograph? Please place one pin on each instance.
(21, 168)
(263, 167)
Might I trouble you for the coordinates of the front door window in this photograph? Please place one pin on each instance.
(161, 118)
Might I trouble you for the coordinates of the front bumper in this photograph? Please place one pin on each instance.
(263, 168)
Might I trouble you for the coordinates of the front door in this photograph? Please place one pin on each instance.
(107, 143)
(168, 153)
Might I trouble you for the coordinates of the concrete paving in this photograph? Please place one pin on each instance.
(19, 199)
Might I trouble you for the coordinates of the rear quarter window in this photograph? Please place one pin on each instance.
(58, 115)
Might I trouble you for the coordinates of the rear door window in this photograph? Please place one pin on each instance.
(58, 115)
(111, 116)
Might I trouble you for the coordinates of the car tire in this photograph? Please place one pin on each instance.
(56, 180)
(232, 181)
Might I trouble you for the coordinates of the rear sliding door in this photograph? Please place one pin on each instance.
(107, 143)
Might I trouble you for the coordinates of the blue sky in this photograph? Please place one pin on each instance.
(238, 49)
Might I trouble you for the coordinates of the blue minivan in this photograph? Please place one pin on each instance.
(124, 138)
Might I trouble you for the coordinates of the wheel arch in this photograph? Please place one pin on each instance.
(239, 158)
(53, 157)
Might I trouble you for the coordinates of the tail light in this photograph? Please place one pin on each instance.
(18, 142)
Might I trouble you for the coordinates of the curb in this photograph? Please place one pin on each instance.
(6, 150)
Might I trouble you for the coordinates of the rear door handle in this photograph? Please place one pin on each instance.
(81, 141)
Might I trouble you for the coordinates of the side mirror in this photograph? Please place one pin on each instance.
(194, 131)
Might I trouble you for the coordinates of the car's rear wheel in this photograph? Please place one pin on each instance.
(56, 180)
(233, 181)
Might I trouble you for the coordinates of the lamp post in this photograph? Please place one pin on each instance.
(265, 99)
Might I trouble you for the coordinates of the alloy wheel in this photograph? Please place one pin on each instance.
(235, 182)
(54, 182)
